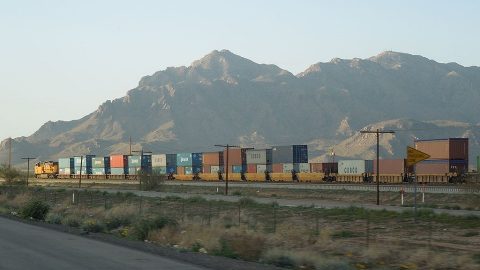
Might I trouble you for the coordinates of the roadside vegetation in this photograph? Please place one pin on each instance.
(11, 175)
(290, 237)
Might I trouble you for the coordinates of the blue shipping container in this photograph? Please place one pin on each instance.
(172, 161)
(238, 169)
(197, 159)
(197, 169)
(118, 171)
(86, 161)
(172, 169)
(300, 154)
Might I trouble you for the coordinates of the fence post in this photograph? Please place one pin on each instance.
(73, 197)
(104, 201)
(239, 212)
(209, 212)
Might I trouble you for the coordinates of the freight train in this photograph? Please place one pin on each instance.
(277, 164)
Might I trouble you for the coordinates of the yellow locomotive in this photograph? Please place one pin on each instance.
(46, 169)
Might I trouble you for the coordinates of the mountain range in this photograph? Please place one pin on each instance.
(225, 98)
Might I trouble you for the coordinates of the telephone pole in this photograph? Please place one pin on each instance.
(28, 166)
(10, 152)
(378, 132)
(227, 147)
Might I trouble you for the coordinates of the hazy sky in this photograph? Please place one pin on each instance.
(59, 60)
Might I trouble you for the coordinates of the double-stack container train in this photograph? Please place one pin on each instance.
(448, 161)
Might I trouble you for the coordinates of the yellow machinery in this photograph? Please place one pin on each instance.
(46, 169)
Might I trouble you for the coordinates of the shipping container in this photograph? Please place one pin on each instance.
(188, 170)
(290, 154)
(180, 170)
(259, 156)
(216, 169)
(329, 167)
(261, 168)
(184, 159)
(237, 169)
(66, 163)
(119, 161)
(277, 168)
(316, 167)
(206, 168)
(171, 160)
(301, 167)
(100, 171)
(118, 171)
(159, 170)
(65, 171)
(101, 162)
(444, 149)
(159, 160)
(389, 166)
(133, 170)
(86, 161)
(144, 161)
(197, 159)
(236, 156)
(197, 169)
(440, 167)
(251, 168)
(287, 167)
(355, 167)
(213, 158)
(171, 169)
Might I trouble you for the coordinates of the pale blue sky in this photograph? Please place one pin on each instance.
(59, 60)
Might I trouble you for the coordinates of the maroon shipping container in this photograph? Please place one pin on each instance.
(213, 158)
(390, 166)
(118, 161)
(252, 168)
(444, 149)
(207, 168)
(236, 156)
(441, 167)
(330, 167)
(316, 167)
(277, 168)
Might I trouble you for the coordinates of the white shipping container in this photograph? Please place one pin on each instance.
(287, 167)
(64, 171)
(259, 156)
(354, 167)
(302, 167)
(261, 168)
(215, 169)
(159, 160)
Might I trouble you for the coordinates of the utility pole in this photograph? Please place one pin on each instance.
(378, 132)
(10, 152)
(227, 147)
(130, 145)
(28, 166)
(142, 152)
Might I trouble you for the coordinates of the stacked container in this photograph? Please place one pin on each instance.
(212, 162)
(85, 163)
(139, 163)
(118, 164)
(101, 165)
(355, 167)
(197, 162)
(184, 163)
(171, 163)
(159, 164)
(259, 160)
(446, 156)
(66, 166)
(237, 160)
(286, 159)
(390, 166)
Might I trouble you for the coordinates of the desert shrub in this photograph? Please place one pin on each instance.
(241, 245)
(120, 215)
(196, 199)
(142, 227)
(151, 181)
(10, 174)
(35, 209)
(93, 225)
(54, 218)
(71, 222)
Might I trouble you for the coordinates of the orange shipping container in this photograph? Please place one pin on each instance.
(206, 168)
(252, 168)
(118, 161)
(453, 148)
(236, 156)
(213, 158)
(277, 168)
(180, 170)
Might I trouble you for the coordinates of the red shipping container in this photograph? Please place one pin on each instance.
(330, 167)
(118, 161)
(207, 168)
(252, 168)
(277, 168)
(213, 158)
(316, 167)
(439, 168)
(236, 156)
(390, 166)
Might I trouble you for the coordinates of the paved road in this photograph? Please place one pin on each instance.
(450, 189)
(24, 246)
